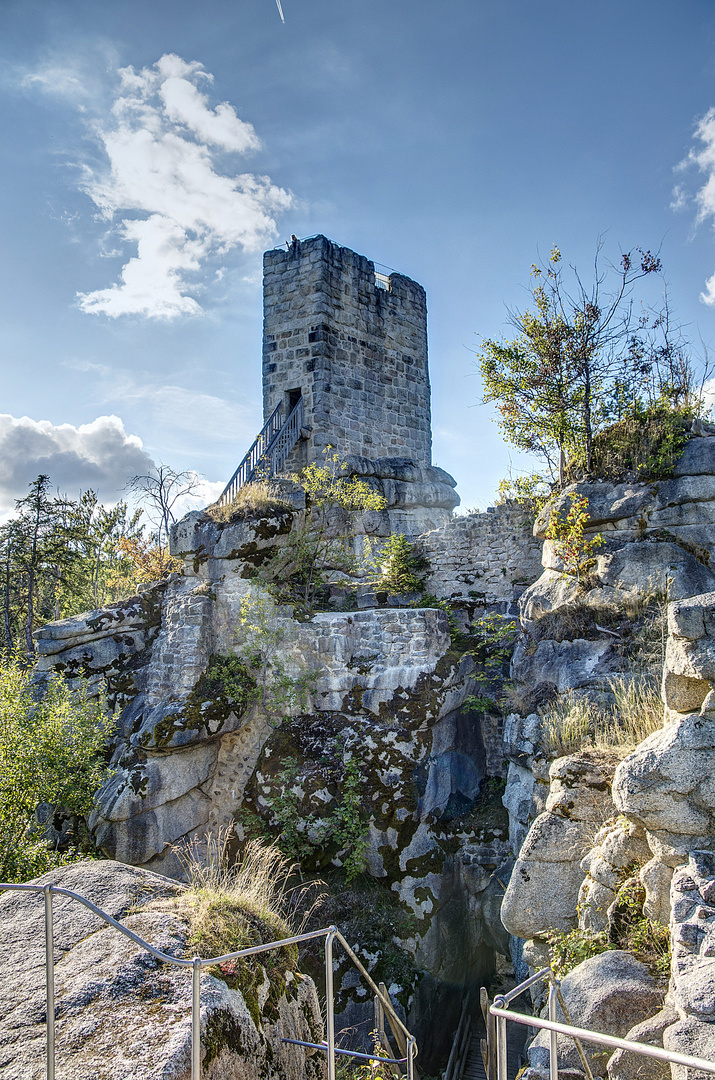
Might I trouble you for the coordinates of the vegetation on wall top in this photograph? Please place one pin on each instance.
(592, 384)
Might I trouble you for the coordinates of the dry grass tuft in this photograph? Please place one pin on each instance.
(253, 500)
(236, 901)
(574, 722)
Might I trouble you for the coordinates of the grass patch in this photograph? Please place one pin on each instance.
(575, 722)
(638, 622)
(235, 901)
(257, 499)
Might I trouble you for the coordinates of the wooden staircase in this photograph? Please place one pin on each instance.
(473, 1057)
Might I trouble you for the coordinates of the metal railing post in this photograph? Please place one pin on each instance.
(50, 982)
(329, 1004)
(407, 1043)
(196, 1019)
(410, 1059)
(501, 1048)
(553, 1036)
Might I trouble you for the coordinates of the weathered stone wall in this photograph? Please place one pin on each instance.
(482, 556)
(357, 352)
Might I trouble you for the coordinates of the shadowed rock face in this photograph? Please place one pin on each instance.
(120, 1012)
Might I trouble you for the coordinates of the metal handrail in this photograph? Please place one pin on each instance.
(256, 451)
(268, 452)
(554, 1027)
(285, 439)
(197, 964)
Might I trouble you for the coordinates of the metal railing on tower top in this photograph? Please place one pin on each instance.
(383, 1004)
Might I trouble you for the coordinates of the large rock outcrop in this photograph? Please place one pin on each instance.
(108, 991)
(657, 541)
(543, 891)
(666, 784)
(381, 755)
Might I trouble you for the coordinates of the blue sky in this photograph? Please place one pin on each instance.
(453, 142)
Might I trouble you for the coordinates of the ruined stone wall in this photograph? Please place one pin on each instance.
(357, 352)
(482, 555)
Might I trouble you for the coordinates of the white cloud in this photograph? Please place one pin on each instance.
(163, 191)
(704, 158)
(182, 409)
(56, 79)
(100, 455)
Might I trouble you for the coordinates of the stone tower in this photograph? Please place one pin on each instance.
(352, 343)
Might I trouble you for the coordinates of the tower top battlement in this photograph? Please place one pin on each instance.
(351, 343)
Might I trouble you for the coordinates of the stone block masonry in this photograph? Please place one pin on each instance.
(354, 351)
(482, 556)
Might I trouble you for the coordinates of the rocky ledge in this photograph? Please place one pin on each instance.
(108, 990)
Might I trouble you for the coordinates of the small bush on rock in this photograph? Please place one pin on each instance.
(569, 948)
(567, 535)
(402, 567)
(642, 446)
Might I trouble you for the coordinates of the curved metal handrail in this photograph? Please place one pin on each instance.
(196, 964)
(555, 1027)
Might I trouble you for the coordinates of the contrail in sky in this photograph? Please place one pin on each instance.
(280, 10)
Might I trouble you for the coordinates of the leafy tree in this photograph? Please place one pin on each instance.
(51, 751)
(583, 356)
(59, 556)
(148, 560)
(102, 571)
(38, 545)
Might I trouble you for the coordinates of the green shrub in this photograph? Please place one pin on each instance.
(644, 445)
(403, 568)
(310, 838)
(567, 536)
(568, 948)
(493, 638)
(51, 751)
